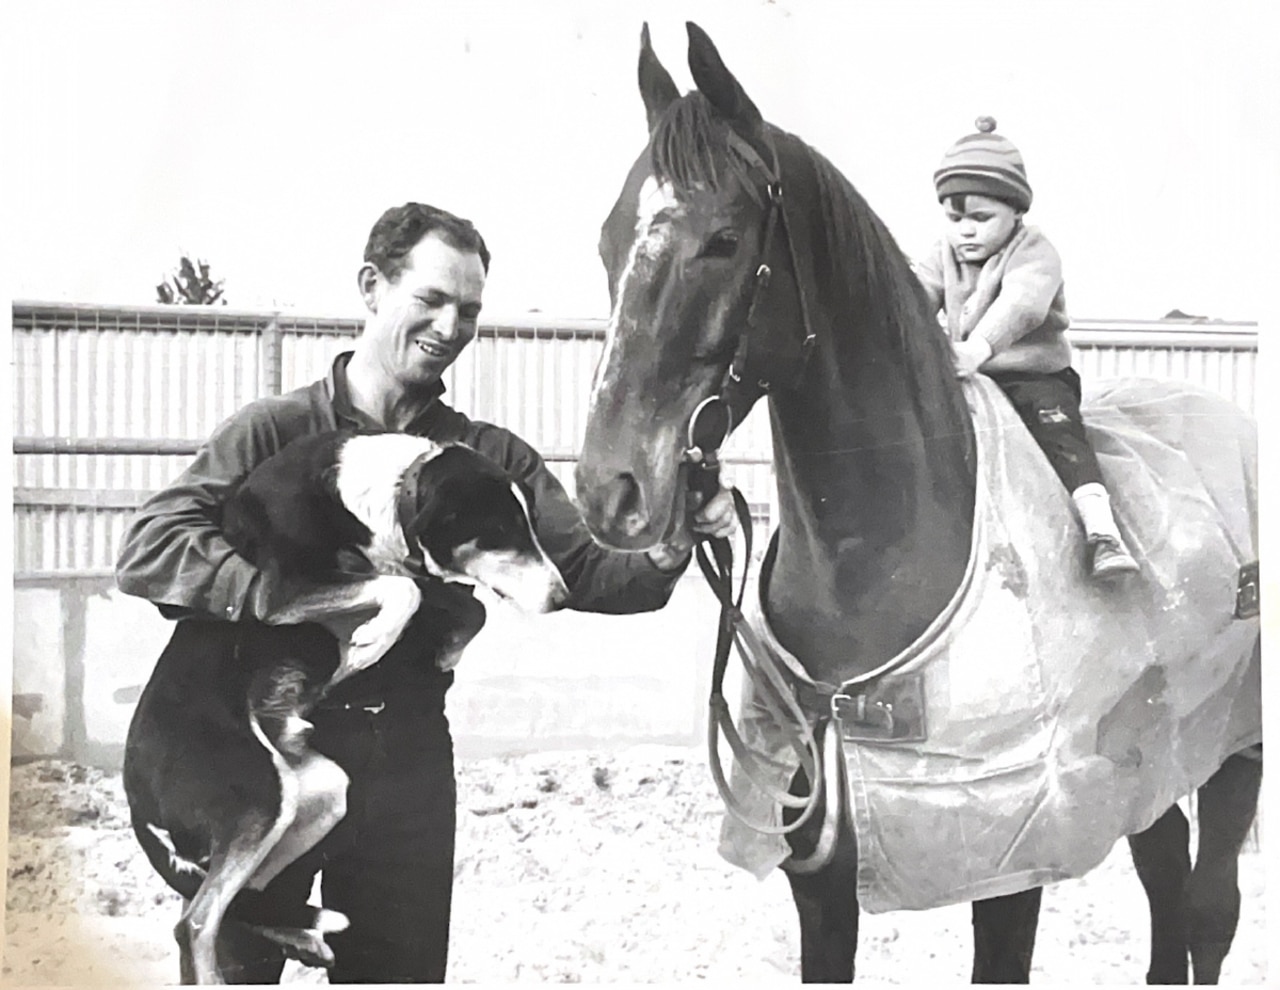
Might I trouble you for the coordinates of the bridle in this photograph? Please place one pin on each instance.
(760, 364)
(761, 361)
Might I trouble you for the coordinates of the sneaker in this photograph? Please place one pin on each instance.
(1109, 559)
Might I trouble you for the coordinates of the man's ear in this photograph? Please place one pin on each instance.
(367, 282)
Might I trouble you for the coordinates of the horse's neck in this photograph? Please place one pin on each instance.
(876, 502)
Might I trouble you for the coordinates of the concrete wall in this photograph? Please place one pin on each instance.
(82, 652)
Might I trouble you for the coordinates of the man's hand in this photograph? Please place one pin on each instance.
(716, 517)
(970, 355)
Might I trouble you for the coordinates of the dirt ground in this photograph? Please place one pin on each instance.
(571, 867)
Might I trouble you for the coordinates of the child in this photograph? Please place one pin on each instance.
(999, 283)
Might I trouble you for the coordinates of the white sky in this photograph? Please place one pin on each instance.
(267, 137)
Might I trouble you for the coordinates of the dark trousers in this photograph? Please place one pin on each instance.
(1050, 406)
(388, 865)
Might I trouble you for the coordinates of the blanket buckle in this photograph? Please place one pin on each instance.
(890, 709)
(1248, 603)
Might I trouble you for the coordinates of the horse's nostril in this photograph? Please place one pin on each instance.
(624, 504)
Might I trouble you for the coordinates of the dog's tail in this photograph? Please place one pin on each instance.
(177, 871)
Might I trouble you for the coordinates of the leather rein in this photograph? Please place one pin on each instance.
(752, 373)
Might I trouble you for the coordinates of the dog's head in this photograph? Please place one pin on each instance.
(472, 522)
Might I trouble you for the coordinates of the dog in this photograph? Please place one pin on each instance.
(223, 790)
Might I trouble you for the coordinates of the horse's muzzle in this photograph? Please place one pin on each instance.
(615, 509)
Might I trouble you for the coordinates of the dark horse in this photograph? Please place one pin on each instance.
(874, 453)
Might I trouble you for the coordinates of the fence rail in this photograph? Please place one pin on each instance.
(110, 402)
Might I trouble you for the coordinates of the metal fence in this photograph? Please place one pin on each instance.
(110, 402)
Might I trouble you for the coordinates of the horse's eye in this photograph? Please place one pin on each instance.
(721, 244)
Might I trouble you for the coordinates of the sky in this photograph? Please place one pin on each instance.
(267, 137)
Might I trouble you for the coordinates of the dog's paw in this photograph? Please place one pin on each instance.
(450, 656)
(307, 945)
(454, 644)
(397, 599)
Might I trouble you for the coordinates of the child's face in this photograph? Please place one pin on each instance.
(978, 226)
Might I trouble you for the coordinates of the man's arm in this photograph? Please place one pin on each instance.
(599, 580)
(174, 553)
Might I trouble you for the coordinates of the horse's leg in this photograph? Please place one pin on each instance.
(1004, 936)
(827, 900)
(1225, 808)
(1163, 863)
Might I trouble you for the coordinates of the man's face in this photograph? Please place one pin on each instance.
(423, 318)
(978, 226)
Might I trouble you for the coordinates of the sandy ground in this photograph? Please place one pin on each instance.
(571, 867)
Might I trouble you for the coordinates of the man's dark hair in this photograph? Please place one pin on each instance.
(400, 228)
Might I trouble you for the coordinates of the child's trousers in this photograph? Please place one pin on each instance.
(1050, 406)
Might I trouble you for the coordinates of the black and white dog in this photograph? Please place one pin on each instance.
(223, 790)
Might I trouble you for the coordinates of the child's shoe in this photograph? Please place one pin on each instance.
(1109, 559)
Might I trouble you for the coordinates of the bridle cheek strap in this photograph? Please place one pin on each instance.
(763, 361)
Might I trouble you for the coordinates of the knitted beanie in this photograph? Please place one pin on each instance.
(984, 164)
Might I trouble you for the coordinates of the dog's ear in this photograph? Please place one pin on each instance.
(435, 492)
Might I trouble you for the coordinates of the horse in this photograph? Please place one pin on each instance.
(742, 264)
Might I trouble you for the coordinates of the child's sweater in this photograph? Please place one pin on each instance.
(1014, 300)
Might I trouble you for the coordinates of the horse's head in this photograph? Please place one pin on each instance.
(683, 248)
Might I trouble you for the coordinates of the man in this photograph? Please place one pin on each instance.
(388, 865)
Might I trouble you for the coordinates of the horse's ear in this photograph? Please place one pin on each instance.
(718, 84)
(656, 87)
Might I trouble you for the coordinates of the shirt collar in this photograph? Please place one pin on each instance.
(348, 415)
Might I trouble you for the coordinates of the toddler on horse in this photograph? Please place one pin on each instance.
(998, 283)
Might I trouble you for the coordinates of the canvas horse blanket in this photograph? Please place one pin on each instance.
(1059, 716)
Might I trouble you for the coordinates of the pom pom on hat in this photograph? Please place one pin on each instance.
(984, 164)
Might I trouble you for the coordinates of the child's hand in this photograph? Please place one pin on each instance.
(970, 355)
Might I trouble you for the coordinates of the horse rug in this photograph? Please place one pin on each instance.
(1059, 716)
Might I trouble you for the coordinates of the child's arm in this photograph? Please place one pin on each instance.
(1031, 281)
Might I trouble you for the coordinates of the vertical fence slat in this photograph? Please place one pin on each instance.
(270, 359)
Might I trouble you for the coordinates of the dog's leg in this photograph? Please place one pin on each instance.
(395, 598)
(321, 804)
(317, 603)
(398, 599)
(234, 859)
(229, 870)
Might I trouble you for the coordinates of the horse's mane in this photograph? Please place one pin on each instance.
(862, 274)
(868, 276)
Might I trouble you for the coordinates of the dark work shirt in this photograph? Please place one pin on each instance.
(175, 556)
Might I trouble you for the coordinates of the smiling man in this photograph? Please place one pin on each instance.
(388, 865)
